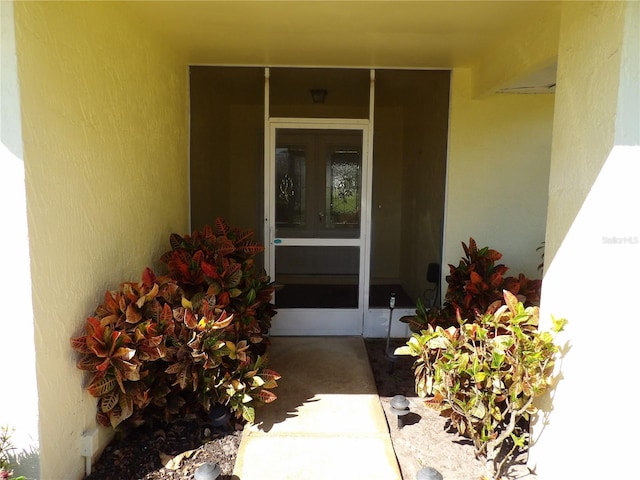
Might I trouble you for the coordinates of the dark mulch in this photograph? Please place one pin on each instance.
(143, 454)
(156, 453)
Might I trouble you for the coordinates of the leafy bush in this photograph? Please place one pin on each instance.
(483, 375)
(171, 346)
(7, 455)
(221, 264)
(473, 285)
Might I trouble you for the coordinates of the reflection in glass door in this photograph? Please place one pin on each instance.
(317, 243)
(318, 183)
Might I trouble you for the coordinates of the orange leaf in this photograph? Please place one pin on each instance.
(101, 385)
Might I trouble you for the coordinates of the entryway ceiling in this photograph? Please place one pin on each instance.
(382, 34)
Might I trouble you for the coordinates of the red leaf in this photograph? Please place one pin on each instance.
(89, 363)
(103, 419)
(266, 396)
(79, 344)
(210, 270)
(176, 241)
(251, 248)
(190, 319)
(224, 246)
(133, 314)
(167, 314)
(207, 233)
(268, 374)
(223, 299)
(148, 277)
(222, 229)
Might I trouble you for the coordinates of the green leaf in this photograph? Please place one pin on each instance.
(558, 323)
(404, 350)
(497, 359)
(251, 296)
(235, 292)
(248, 413)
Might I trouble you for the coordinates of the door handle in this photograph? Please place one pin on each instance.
(320, 216)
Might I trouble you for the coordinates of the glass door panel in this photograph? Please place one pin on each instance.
(318, 176)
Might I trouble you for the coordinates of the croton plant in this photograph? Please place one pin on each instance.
(174, 345)
(472, 286)
(484, 373)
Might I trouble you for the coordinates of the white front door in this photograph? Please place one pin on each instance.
(317, 225)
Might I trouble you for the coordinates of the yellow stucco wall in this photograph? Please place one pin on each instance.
(105, 116)
(588, 424)
(498, 173)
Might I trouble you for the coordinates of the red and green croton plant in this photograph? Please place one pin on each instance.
(174, 345)
(476, 283)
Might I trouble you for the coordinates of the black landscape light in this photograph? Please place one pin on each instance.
(207, 471)
(219, 416)
(400, 407)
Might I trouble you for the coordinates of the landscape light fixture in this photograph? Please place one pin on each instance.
(207, 471)
(400, 407)
(219, 416)
(428, 473)
(391, 357)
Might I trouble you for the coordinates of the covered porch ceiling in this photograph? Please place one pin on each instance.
(367, 34)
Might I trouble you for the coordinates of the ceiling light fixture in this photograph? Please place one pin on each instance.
(318, 95)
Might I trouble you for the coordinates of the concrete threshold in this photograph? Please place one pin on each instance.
(327, 422)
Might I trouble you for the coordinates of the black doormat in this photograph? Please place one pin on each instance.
(338, 296)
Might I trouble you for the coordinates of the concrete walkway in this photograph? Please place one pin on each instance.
(327, 422)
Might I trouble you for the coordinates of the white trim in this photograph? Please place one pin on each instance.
(367, 185)
(306, 322)
(317, 242)
(320, 123)
(267, 234)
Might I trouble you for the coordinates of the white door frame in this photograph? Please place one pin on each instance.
(320, 321)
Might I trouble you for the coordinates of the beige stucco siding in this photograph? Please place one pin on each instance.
(498, 173)
(105, 118)
(588, 426)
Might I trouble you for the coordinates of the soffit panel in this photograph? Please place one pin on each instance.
(384, 34)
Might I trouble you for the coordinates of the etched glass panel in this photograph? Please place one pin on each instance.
(343, 185)
(290, 186)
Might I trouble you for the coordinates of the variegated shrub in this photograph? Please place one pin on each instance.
(172, 346)
(484, 375)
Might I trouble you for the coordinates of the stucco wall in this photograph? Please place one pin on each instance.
(104, 107)
(588, 424)
(498, 174)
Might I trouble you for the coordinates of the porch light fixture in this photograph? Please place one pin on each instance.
(400, 407)
(318, 95)
(428, 473)
(207, 471)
